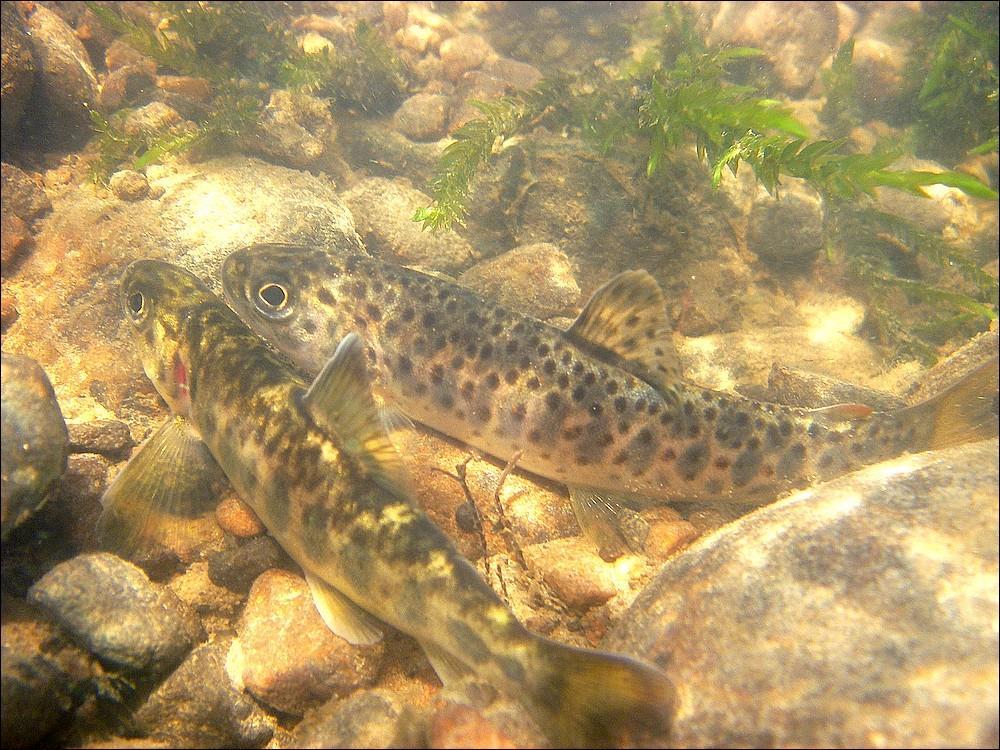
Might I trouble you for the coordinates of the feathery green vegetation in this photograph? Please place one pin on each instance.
(242, 50)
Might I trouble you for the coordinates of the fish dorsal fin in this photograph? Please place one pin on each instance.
(627, 317)
(171, 480)
(341, 615)
(340, 401)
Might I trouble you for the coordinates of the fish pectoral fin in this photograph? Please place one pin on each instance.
(627, 317)
(344, 618)
(608, 522)
(171, 479)
(449, 669)
(340, 401)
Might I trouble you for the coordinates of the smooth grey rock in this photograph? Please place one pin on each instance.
(787, 232)
(366, 718)
(109, 437)
(859, 613)
(423, 117)
(117, 613)
(383, 211)
(33, 450)
(237, 568)
(23, 193)
(17, 71)
(44, 676)
(794, 387)
(64, 81)
(295, 129)
(199, 706)
(535, 279)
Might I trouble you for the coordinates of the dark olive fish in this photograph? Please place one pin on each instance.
(316, 465)
(601, 406)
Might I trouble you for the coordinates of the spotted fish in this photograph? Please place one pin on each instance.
(602, 406)
(318, 468)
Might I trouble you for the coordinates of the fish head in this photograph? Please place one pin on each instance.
(158, 300)
(282, 293)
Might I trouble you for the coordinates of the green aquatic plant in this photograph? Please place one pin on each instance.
(679, 93)
(889, 259)
(951, 92)
(242, 49)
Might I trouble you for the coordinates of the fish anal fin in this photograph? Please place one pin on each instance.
(627, 317)
(342, 616)
(340, 401)
(450, 670)
(171, 480)
(965, 411)
(608, 522)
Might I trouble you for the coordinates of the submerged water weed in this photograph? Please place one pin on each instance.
(951, 86)
(242, 50)
(681, 92)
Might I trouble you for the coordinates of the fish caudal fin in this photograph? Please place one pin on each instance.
(596, 699)
(963, 413)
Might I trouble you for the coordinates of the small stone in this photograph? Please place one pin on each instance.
(34, 445)
(118, 614)
(383, 212)
(796, 36)
(366, 718)
(23, 193)
(423, 117)
(237, 568)
(455, 725)
(535, 279)
(879, 68)
(290, 659)
(238, 518)
(295, 129)
(120, 55)
(8, 309)
(127, 86)
(794, 387)
(464, 52)
(129, 185)
(787, 232)
(199, 706)
(109, 437)
(215, 604)
(14, 236)
(417, 38)
(153, 117)
(575, 573)
(197, 89)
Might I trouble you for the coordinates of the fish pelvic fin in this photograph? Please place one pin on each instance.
(170, 480)
(596, 699)
(627, 318)
(608, 522)
(340, 401)
(964, 412)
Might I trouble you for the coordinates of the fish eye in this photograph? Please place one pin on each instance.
(272, 300)
(273, 295)
(136, 304)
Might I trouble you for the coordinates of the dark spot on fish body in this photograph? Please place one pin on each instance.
(563, 381)
(791, 462)
(472, 647)
(553, 401)
(481, 413)
(374, 313)
(429, 320)
(533, 383)
(408, 314)
(549, 367)
(511, 377)
(445, 399)
(589, 379)
(511, 668)
(437, 374)
(745, 466)
(457, 361)
(692, 461)
(714, 486)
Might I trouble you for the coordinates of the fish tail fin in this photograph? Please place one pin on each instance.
(964, 412)
(591, 698)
